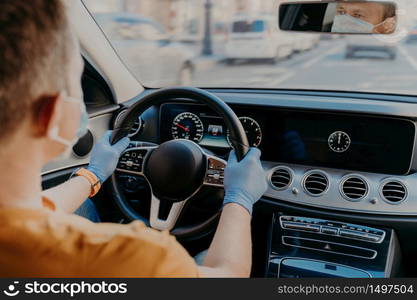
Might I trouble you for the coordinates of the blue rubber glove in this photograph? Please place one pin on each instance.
(104, 157)
(245, 181)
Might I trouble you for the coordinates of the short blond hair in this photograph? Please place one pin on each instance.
(389, 10)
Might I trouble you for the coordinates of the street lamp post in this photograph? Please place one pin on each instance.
(207, 42)
(124, 5)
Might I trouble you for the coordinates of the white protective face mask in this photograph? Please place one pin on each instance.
(82, 129)
(348, 24)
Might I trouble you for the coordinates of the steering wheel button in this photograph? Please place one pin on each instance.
(216, 165)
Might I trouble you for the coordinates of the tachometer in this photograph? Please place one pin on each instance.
(187, 126)
(253, 131)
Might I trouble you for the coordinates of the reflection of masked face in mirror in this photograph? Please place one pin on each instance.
(364, 18)
(349, 24)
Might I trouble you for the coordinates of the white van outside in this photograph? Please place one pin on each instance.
(304, 41)
(257, 37)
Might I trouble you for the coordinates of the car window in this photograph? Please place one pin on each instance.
(167, 43)
(248, 26)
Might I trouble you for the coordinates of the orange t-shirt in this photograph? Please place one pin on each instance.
(44, 243)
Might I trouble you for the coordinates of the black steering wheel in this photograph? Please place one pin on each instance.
(175, 170)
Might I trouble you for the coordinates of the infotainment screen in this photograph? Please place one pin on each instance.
(370, 144)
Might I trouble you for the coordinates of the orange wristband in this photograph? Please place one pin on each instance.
(92, 179)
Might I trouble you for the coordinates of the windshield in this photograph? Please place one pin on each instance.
(237, 44)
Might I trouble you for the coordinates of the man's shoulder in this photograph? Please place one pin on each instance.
(133, 248)
(106, 249)
(100, 233)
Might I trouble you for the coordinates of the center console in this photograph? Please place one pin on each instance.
(311, 247)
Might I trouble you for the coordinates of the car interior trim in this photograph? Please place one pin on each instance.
(285, 241)
(333, 199)
(320, 261)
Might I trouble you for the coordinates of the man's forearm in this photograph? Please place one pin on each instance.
(230, 253)
(104, 157)
(70, 195)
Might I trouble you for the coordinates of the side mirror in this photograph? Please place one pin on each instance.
(339, 17)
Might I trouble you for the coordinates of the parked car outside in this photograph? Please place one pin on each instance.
(145, 46)
(368, 46)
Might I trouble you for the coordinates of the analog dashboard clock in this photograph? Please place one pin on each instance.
(339, 141)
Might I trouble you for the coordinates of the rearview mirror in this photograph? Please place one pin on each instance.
(352, 17)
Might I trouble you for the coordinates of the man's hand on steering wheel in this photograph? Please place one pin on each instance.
(105, 156)
(245, 181)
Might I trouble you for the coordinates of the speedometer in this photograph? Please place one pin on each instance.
(253, 131)
(187, 126)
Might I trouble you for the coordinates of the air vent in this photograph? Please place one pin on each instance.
(354, 188)
(316, 183)
(137, 126)
(281, 178)
(394, 191)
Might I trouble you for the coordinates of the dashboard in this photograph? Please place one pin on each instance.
(334, 152)
(319, 139)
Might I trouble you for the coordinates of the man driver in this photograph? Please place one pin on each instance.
(362, 17)
(41, 112)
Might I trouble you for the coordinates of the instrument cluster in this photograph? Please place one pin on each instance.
(200, 125)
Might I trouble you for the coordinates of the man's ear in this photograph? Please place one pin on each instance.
(386, 27)
(46, 114)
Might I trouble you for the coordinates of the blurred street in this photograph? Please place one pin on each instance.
(237, 44)
(323, 67)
